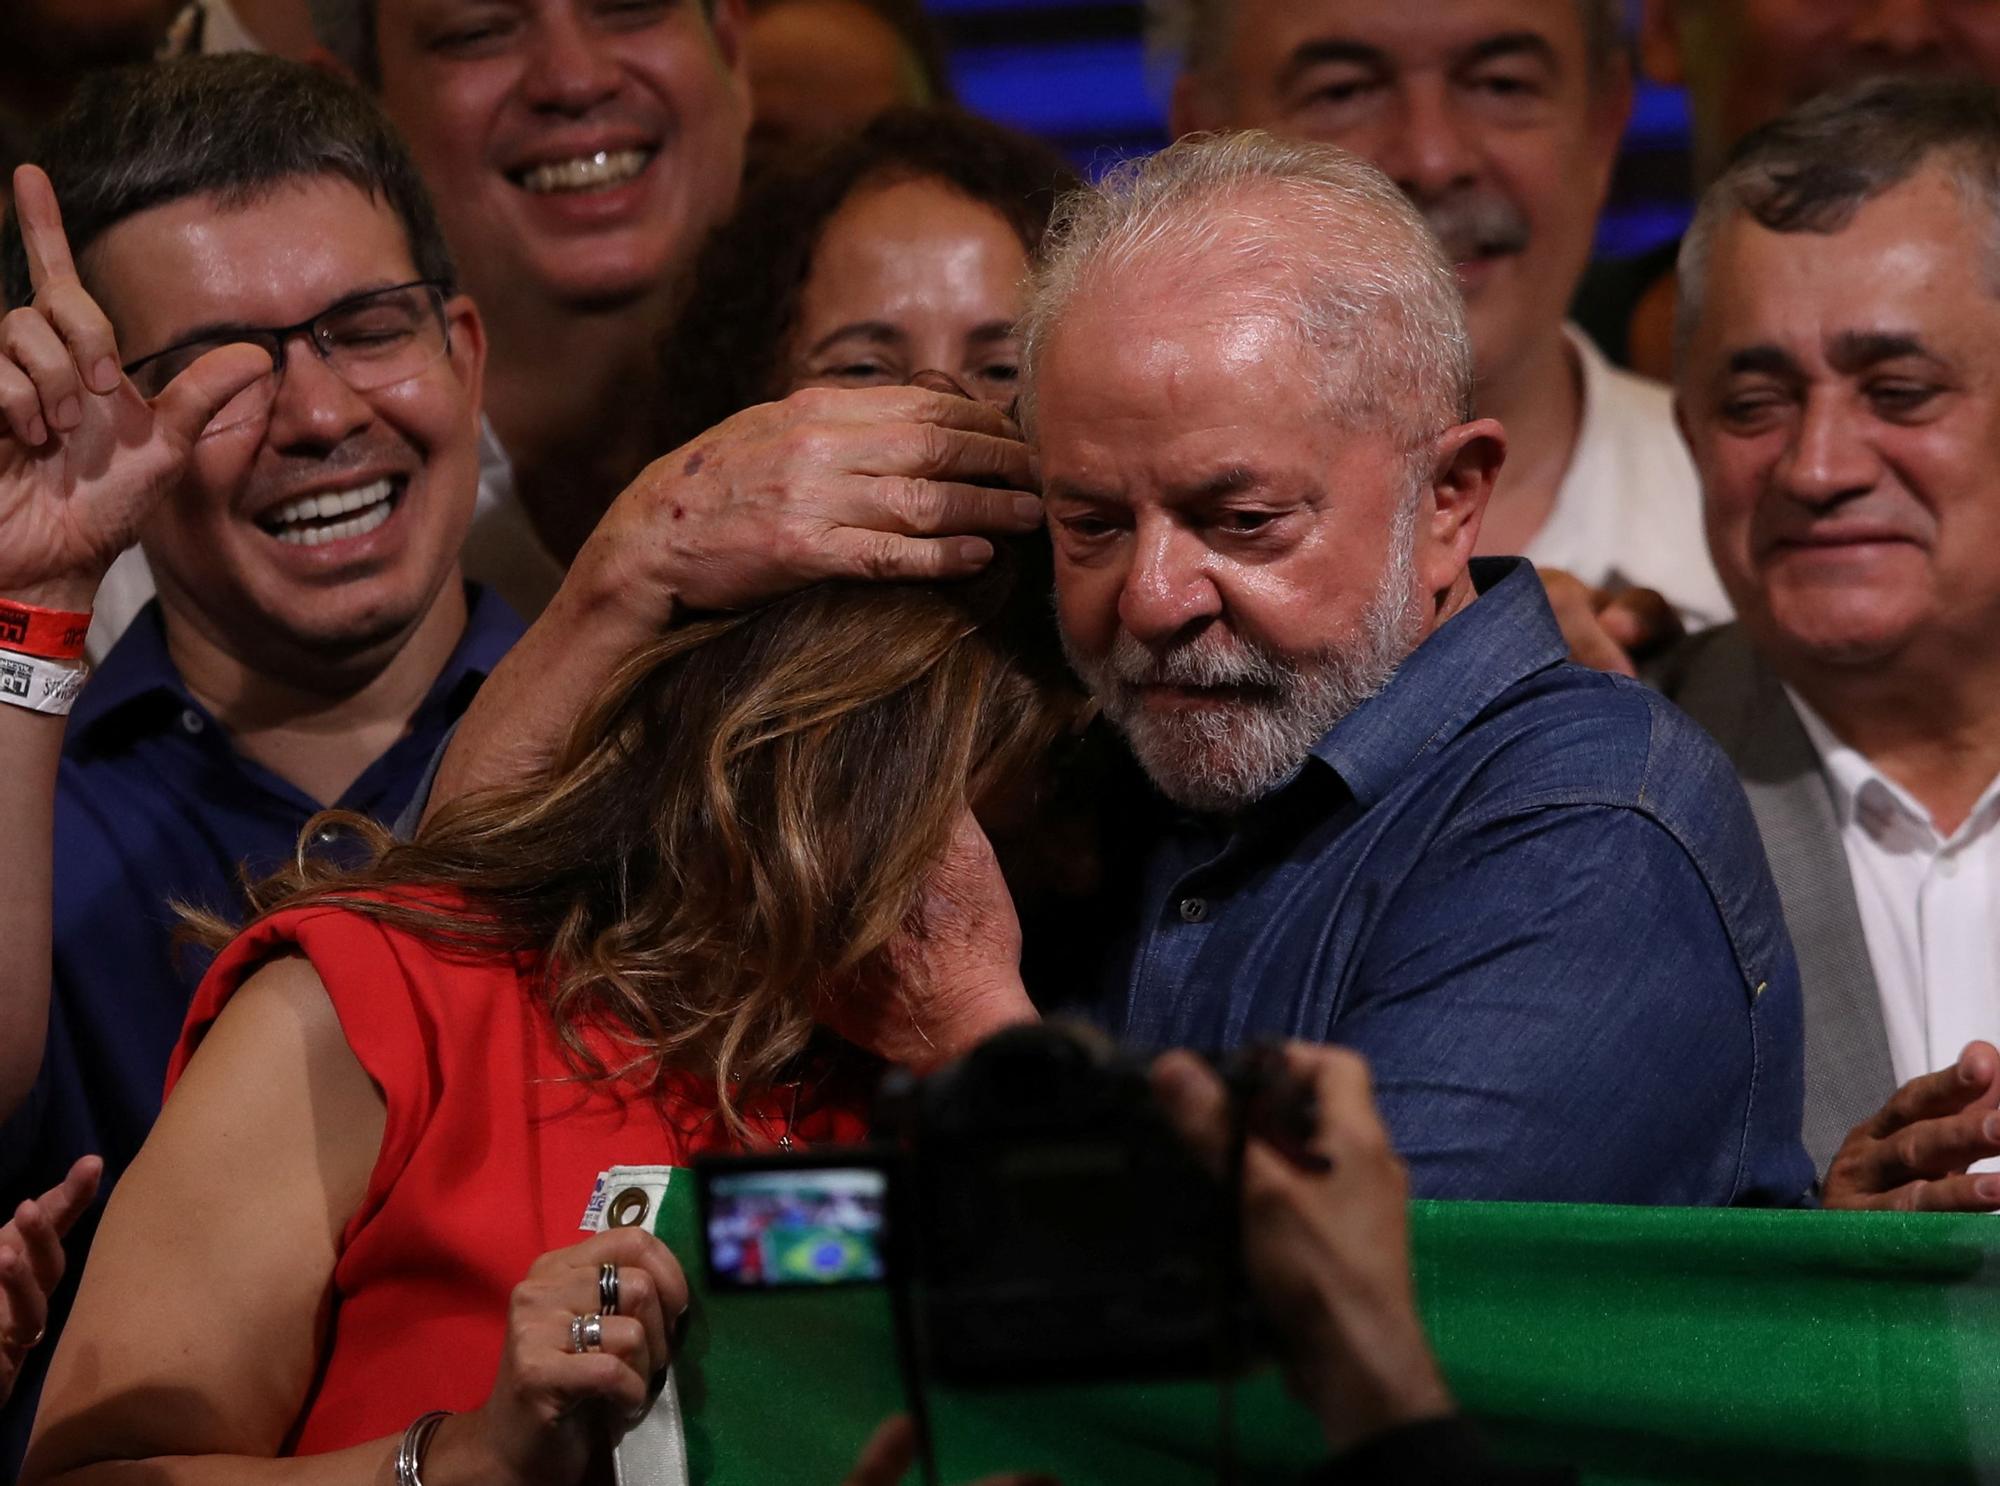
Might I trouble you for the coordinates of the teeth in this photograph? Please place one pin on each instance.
(585, 172)
(349, 513)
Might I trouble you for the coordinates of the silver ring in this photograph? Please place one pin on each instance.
(586, 1333)
(607, 1289)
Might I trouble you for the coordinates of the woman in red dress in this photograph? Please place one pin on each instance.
(397, 1089)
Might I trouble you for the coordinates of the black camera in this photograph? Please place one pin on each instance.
(1029, 1207)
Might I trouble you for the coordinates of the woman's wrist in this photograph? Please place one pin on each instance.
(459, 1455)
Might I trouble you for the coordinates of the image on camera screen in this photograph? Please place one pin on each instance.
(774, 1229)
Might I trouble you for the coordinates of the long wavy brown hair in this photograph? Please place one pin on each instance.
(740, 825)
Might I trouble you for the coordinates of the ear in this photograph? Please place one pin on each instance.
(1192, 108)
(1465, 465)
(467, 352)
(1660, 55)
(1611, 105)
(729, 23)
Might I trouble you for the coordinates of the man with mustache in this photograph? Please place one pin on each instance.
(1840, 386)
(1500, 119)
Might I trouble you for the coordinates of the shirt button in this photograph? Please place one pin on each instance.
(1193, 910)
(191, 722)
(326, 835)
(1947, 866)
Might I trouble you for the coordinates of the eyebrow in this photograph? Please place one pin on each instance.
(1513, 44)
(1854, 349)
(879, 332)
(993, 330)
(1310, 54)
(1233, 481)
(1764, 360)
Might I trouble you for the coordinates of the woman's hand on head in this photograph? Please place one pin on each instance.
(551, 1404)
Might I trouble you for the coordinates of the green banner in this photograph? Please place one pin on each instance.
(1642, 1344)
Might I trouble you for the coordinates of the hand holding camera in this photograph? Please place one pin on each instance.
(1326, 1246)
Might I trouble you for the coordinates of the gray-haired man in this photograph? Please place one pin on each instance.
(1840, 385)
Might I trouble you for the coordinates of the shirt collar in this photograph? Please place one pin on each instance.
(1508, 633)
(1861, 792)
(139, 666)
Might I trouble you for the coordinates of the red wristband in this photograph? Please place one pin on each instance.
(46, 634)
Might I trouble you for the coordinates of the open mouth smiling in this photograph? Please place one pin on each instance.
(337, 515)
(598, 170)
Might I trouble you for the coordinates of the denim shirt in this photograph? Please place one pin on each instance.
(1532, 895)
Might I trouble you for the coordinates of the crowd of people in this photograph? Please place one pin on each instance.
(579, 578)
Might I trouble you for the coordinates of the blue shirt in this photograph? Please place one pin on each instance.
(1532, 895)
(154, 806)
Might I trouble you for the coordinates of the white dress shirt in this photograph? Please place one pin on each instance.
(1930, 907)
(1628, 512)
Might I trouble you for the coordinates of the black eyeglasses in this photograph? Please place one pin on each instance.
(371, 341)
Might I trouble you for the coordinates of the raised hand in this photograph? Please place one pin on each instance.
(32, 1261)
(83, 457)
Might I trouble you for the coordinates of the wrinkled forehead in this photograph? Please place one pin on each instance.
(1259, 34)
(1918, 252)
(273, 258)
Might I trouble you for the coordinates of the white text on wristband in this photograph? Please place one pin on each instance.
(48, 686)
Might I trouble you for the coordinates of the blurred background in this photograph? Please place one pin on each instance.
(1075, 72)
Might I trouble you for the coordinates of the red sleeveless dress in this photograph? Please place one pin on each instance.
(489, 1156)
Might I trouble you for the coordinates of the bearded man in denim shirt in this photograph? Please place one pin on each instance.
(1393, 816)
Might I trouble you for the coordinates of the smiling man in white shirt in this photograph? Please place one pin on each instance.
(1840, 386)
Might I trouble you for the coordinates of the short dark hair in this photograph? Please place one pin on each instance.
(1812, 169)
(743, 299)
(347, 29)
(236, 127)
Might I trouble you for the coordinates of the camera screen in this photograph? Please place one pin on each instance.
(776, 1229)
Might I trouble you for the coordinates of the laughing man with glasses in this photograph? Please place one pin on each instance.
(312, 640)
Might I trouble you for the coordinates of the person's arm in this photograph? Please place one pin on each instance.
(1531, 1041)
(83, 460)
(1326, 1246)
(1912, 1154)
(888, 483)
(203, 1313)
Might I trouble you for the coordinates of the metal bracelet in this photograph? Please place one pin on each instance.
(416, 1440)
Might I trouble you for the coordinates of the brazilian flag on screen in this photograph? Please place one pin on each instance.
(815, 1254)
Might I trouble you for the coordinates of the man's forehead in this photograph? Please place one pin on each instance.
(272, 257)
(1406, 33)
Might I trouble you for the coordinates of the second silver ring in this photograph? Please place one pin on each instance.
(586, 1333)
(607, 1290)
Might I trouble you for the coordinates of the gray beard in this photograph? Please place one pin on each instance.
(1221, 758)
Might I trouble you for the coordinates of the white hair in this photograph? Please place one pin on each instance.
(1304, 233)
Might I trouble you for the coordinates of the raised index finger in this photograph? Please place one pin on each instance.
(35, 208)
